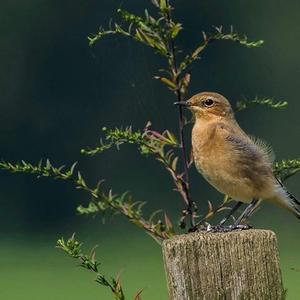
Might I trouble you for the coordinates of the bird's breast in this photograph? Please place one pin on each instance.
(209, 154)
(223, 167)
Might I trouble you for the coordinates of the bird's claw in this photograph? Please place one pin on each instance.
(220, 228)
(224, 229)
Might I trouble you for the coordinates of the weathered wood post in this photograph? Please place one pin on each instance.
(232, 265)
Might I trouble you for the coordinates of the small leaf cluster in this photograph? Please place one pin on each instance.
(234, 37)
(41, 169)
(148, 141)
(88, 261)
(147, 30)
(268, 102)
(286, 168)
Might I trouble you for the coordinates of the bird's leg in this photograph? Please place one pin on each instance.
(231, 212)
(247, 212)
(191, 159)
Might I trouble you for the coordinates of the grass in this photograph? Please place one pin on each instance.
(31, 268)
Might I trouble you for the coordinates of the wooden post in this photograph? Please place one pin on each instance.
(232, 265)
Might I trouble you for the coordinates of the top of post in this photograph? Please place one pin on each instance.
(250, 234)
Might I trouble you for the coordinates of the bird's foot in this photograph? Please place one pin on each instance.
(241, 227)
(223, 229)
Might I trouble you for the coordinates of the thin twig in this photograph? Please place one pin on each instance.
(174, 69)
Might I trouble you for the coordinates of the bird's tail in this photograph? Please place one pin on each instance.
(295, 204)
(286, 199)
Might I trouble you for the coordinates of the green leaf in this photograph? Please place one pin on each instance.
(163, 5)
(175, 30)
(167, 82)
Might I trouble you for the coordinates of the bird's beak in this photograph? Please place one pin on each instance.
(182, 103)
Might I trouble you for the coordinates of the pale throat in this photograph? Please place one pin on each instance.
(205, 119)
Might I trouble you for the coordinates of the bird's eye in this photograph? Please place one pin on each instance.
(209, 102)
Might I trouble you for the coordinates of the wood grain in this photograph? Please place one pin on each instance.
(234, 265)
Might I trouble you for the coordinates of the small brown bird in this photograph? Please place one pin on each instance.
(233, 162)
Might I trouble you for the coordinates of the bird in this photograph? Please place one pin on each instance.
(233, 162)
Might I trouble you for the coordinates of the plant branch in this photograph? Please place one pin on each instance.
(88, 261)
(148, 142)
(217, 36)
(101, 201)
(176, 81)
(268, 102)
(286, 168)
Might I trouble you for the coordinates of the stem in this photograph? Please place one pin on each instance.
(174, 69)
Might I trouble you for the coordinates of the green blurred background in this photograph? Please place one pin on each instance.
(55, 95)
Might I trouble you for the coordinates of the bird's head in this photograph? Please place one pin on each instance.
(209, 105)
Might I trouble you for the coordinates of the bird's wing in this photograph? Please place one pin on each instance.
(248, 160)
(246, 147)
(264, 147)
